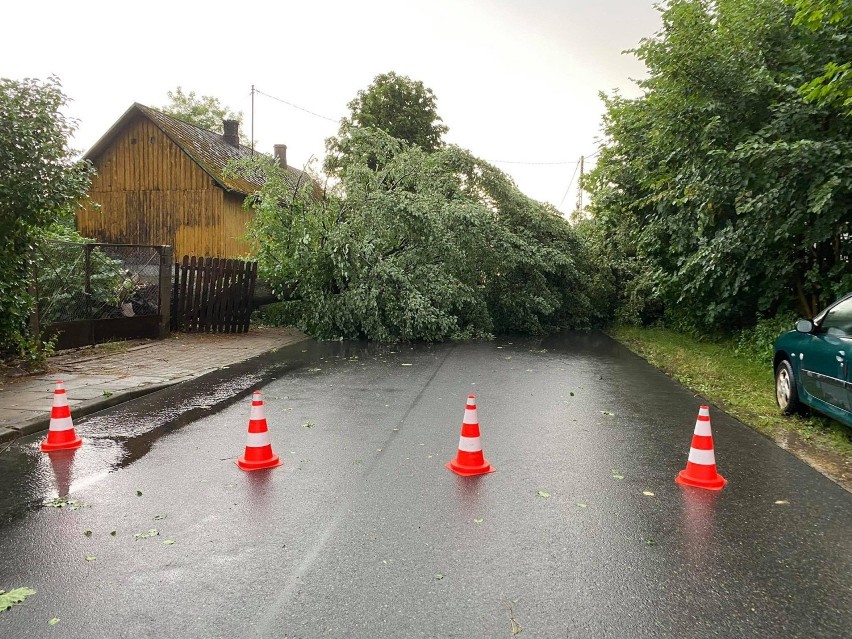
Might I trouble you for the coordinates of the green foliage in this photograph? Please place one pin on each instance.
(14, 597)
(757, 342)
(401, 107)
(205, 111)
(429, 246)
(40, 183)
(831, 23)
(725, 195)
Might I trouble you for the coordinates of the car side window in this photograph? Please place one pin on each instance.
(838, 320)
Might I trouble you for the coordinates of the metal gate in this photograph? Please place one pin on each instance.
(93, 293)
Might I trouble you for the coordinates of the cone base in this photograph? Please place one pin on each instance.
(47, 447)
(469, 471)
(246, 464)
(710, 484)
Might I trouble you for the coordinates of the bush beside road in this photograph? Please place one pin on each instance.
(744, 387)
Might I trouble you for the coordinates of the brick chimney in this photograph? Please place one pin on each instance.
(281, 155)
(232, 132)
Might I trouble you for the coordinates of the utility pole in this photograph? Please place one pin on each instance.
(580, 190)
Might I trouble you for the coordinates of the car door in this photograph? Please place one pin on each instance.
(826, 360)
(848, 365)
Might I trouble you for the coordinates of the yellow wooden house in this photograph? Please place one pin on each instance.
(160, 181)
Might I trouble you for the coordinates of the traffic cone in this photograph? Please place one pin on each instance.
(470, 460)
(700, 469)
(60, 433)
(258, 449)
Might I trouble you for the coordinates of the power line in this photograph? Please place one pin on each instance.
(560, 163)
(573, 175)
(295, 106)
(533, 163)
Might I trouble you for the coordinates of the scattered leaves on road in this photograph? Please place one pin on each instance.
(14, 597)
(107, 394)
(477, 521)
(153, 532)
(617, 475)
(439, 576)
(571, 394)
(515, 626)
(138, 493)
(114, 533)
(647, 493)
(65, 502)
(87, 533)
(168, 542)
(308, 424)
(159, 517)
(406, 364)
(582, 505)
(606, 412)
(782, 502)
(651, 542)
(543, 494)
(53, 621)
(90, 557)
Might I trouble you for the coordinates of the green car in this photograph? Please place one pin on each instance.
(812, 363)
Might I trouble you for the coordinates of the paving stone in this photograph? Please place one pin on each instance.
(86, 374)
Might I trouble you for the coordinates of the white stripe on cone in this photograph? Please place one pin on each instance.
(702, 457)
(470, 444)
(60, 399)
(257, 440)
(257, 413)
(703, 428)
(61, 423)
(470, 416)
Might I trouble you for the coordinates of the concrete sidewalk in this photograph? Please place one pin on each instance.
(108, 374)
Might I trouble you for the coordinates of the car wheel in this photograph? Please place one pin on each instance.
(785, 389)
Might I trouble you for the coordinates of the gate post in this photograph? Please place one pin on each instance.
(166, 259)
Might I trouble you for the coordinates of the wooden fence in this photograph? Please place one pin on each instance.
(212, 295)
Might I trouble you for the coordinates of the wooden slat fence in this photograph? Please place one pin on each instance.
(212, 294)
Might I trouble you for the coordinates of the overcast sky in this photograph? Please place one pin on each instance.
(516, 80)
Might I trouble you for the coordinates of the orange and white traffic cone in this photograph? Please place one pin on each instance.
(60, 433)
(258, 453)
(470, 460)
(700, 469)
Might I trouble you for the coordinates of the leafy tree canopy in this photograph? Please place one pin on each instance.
(427, 246)
(204, 111)
(725, 195)
(401, 107)
(41, 184)
(831, 21)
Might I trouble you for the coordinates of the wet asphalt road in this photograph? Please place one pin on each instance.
(364, 533)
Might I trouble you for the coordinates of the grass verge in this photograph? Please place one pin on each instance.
(744, 388)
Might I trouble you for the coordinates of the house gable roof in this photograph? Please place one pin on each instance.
(207, 149)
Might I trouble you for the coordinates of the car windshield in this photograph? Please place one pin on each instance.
(838, 319)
